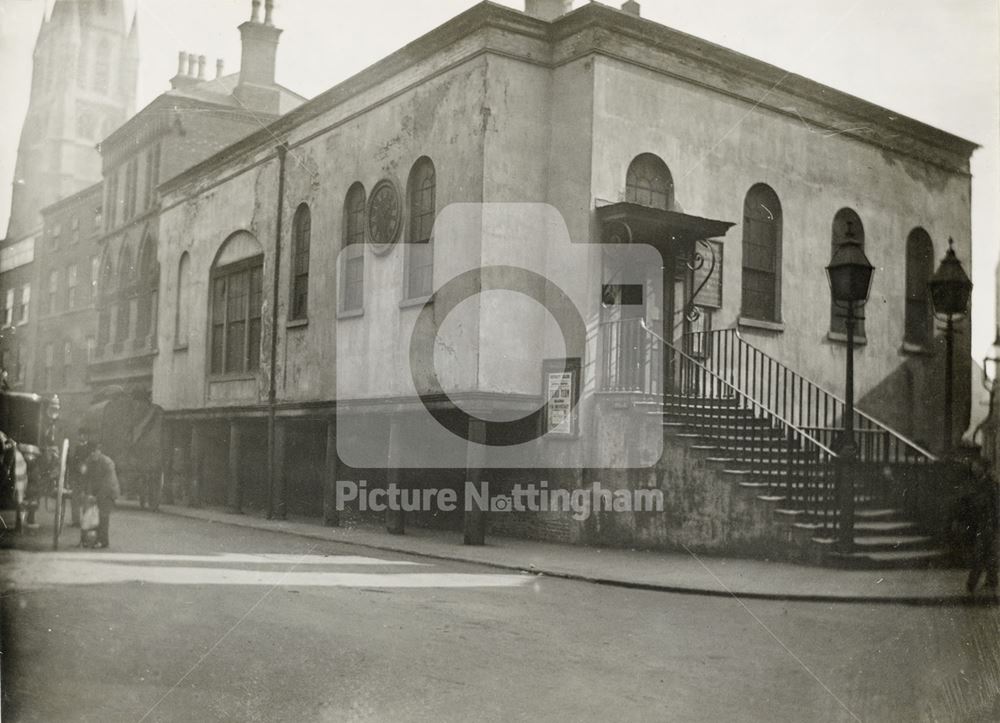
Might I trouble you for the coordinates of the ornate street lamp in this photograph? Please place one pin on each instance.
(850, 275)
(950, 292)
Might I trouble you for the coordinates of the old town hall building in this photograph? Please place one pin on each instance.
(276, 279)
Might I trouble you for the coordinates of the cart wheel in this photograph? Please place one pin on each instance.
(57, 523)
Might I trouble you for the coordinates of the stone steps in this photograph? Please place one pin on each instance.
(762, 461)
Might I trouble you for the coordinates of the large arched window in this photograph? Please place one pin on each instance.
(147, 289)
(301, 231)
(126, 283)
(846, 225)
(236, 284)
(352, 265)
(421, 192)
(183, 314)
(918, 327)
(649, 183)
(761, 254)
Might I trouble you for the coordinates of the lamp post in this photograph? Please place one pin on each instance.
(950, 292)
(991, 382)
(850, 276)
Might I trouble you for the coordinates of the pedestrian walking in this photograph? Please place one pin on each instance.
(983, 519)
(100, 480)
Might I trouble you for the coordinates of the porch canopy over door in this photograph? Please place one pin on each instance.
(676, 236)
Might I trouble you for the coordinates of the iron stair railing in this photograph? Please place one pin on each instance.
(804, 403)
(783, 461)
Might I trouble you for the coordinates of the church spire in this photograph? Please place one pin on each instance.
(83, 87)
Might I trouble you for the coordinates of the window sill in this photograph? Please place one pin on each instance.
(910, 349)
(180, 348)
(350, 313)
(419, 301)
(859, 339)
(297, 323)
(746, 321)
(216, 378)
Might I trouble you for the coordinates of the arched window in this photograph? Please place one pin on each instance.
(105, 297)
(919, 268)
(649, 183)
(421, 199)
(352, 264)
(846, 225)
(102, 66)
(236, 284)
(182, 319)
(301, 230)
(148, 287)
(126, 282)
(761, 254)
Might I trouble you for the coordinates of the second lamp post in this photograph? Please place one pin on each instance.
(850, 275)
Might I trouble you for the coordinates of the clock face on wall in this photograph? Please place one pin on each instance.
(385, 215)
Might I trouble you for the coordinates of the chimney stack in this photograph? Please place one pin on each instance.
(256, 88)
(201, 67)
(192, 64)
(185, 71)
(632, 8)
(547, 10)
(219, 65)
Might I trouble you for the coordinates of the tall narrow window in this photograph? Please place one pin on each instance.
(918, 327)
(105, 299)
(95, 272)
(67, 364)
(50, 353)
(419, 257)
(8, 308)
(102, 66)
(235, 312)
(126, 278)
(72, 287)
(649, 183)
(352, 266)
(846, 225)
(22, 318)
(148, 282)
(51, 304)
(181, 321)
(112, 200)
(152, 176)
(301, 230)
(761, 254)
(131, 181)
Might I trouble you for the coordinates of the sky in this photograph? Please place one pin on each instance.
(934, 60)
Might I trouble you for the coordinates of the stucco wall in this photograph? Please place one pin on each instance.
(718, 146)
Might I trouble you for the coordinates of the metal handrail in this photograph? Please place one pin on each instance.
(859, 412)
(739, 392)
(802, 401)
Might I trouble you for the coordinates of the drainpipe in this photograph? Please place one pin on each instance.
(272, 389)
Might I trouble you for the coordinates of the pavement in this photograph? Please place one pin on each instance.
(685, 573)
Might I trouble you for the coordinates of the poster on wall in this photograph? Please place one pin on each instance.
(561, 387)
